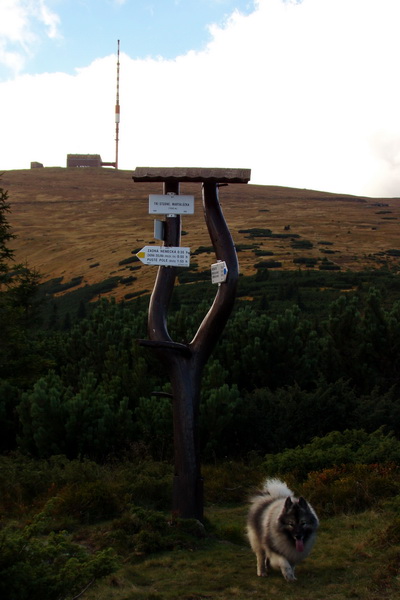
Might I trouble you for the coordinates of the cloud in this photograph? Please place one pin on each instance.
(22, 23)
(303, 93)
(50, 19)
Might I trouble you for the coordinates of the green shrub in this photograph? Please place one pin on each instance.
(87, 492)
(302, 244)
(264, 253)
(349, 447)
(240, 247)
(150, 484)
(351, 488)
(203, 249)
(88, 502)
(303, 260)
(327, 265)
(146, 531)
(229, 482)
(268, 264)
(36, 568)
(128, 261)
(26, 482)
(326, 251)
(256, 232)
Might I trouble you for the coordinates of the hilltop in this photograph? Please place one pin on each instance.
(85, 226)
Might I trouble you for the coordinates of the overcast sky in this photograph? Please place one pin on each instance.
(305, 93)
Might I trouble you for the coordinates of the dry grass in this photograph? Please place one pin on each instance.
(345, 563)
(83, 222)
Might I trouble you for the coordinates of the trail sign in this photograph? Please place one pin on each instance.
(168, 256)
(171, 204)
(219, 272)
(159, 229)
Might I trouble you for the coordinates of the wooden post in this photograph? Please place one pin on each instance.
(185, 362)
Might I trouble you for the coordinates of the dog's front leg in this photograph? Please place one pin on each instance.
(261, 563)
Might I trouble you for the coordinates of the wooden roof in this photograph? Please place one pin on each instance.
(216, 175)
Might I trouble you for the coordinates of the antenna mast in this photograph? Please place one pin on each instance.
(117, 114)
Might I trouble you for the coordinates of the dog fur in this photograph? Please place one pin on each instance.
(281, 529)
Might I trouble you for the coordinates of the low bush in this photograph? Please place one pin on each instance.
(149, 484)
(229, 482)
(256, 232)
(203, 249)
(88, 502)
(302, 244)
(37, 568)
(84, 490)
(264, 253)
(128, 261)
(336, 448)
(303, 260)
(268, 264)
(351, 488)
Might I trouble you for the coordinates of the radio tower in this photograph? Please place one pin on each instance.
(117, 114)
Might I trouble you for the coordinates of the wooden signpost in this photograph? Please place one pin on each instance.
(185, 362)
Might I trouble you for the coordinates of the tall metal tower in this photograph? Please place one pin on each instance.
(117, 114)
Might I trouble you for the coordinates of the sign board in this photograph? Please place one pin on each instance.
(171, 204)
(168, 256)
(159, 229)
(219, 272)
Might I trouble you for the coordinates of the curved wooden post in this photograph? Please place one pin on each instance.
(185, 362)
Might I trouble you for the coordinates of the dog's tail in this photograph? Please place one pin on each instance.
(277, 488)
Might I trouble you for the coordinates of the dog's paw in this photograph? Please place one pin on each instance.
(289, 574)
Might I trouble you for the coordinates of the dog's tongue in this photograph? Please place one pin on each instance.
(299, 545)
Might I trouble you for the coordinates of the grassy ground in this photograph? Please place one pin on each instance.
(353, 558)
(75, 529)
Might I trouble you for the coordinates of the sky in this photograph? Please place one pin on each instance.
(305, 93)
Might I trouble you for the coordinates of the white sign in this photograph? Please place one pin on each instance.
(171, 204)
(158, 229)
(219, 272)
(168, 256)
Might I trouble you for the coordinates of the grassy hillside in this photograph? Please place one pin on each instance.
(83, 226)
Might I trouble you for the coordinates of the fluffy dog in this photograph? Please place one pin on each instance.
(281, 529)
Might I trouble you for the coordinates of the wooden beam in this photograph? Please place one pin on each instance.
(208, 175)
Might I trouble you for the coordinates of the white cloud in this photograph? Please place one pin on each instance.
(305, 94)
(50, 19)
(22, 23)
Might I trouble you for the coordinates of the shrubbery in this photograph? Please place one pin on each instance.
(289, 365)
(33, 567)
(73, 519)
(351, 488)
(61, 518)
(342, 472)
(336, 448)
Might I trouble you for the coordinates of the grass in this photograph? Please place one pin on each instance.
(346, 563)
(122, 509)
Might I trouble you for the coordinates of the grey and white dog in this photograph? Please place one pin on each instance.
(281, 528)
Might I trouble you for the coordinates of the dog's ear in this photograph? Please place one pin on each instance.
(303, 502)
(288, 503)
